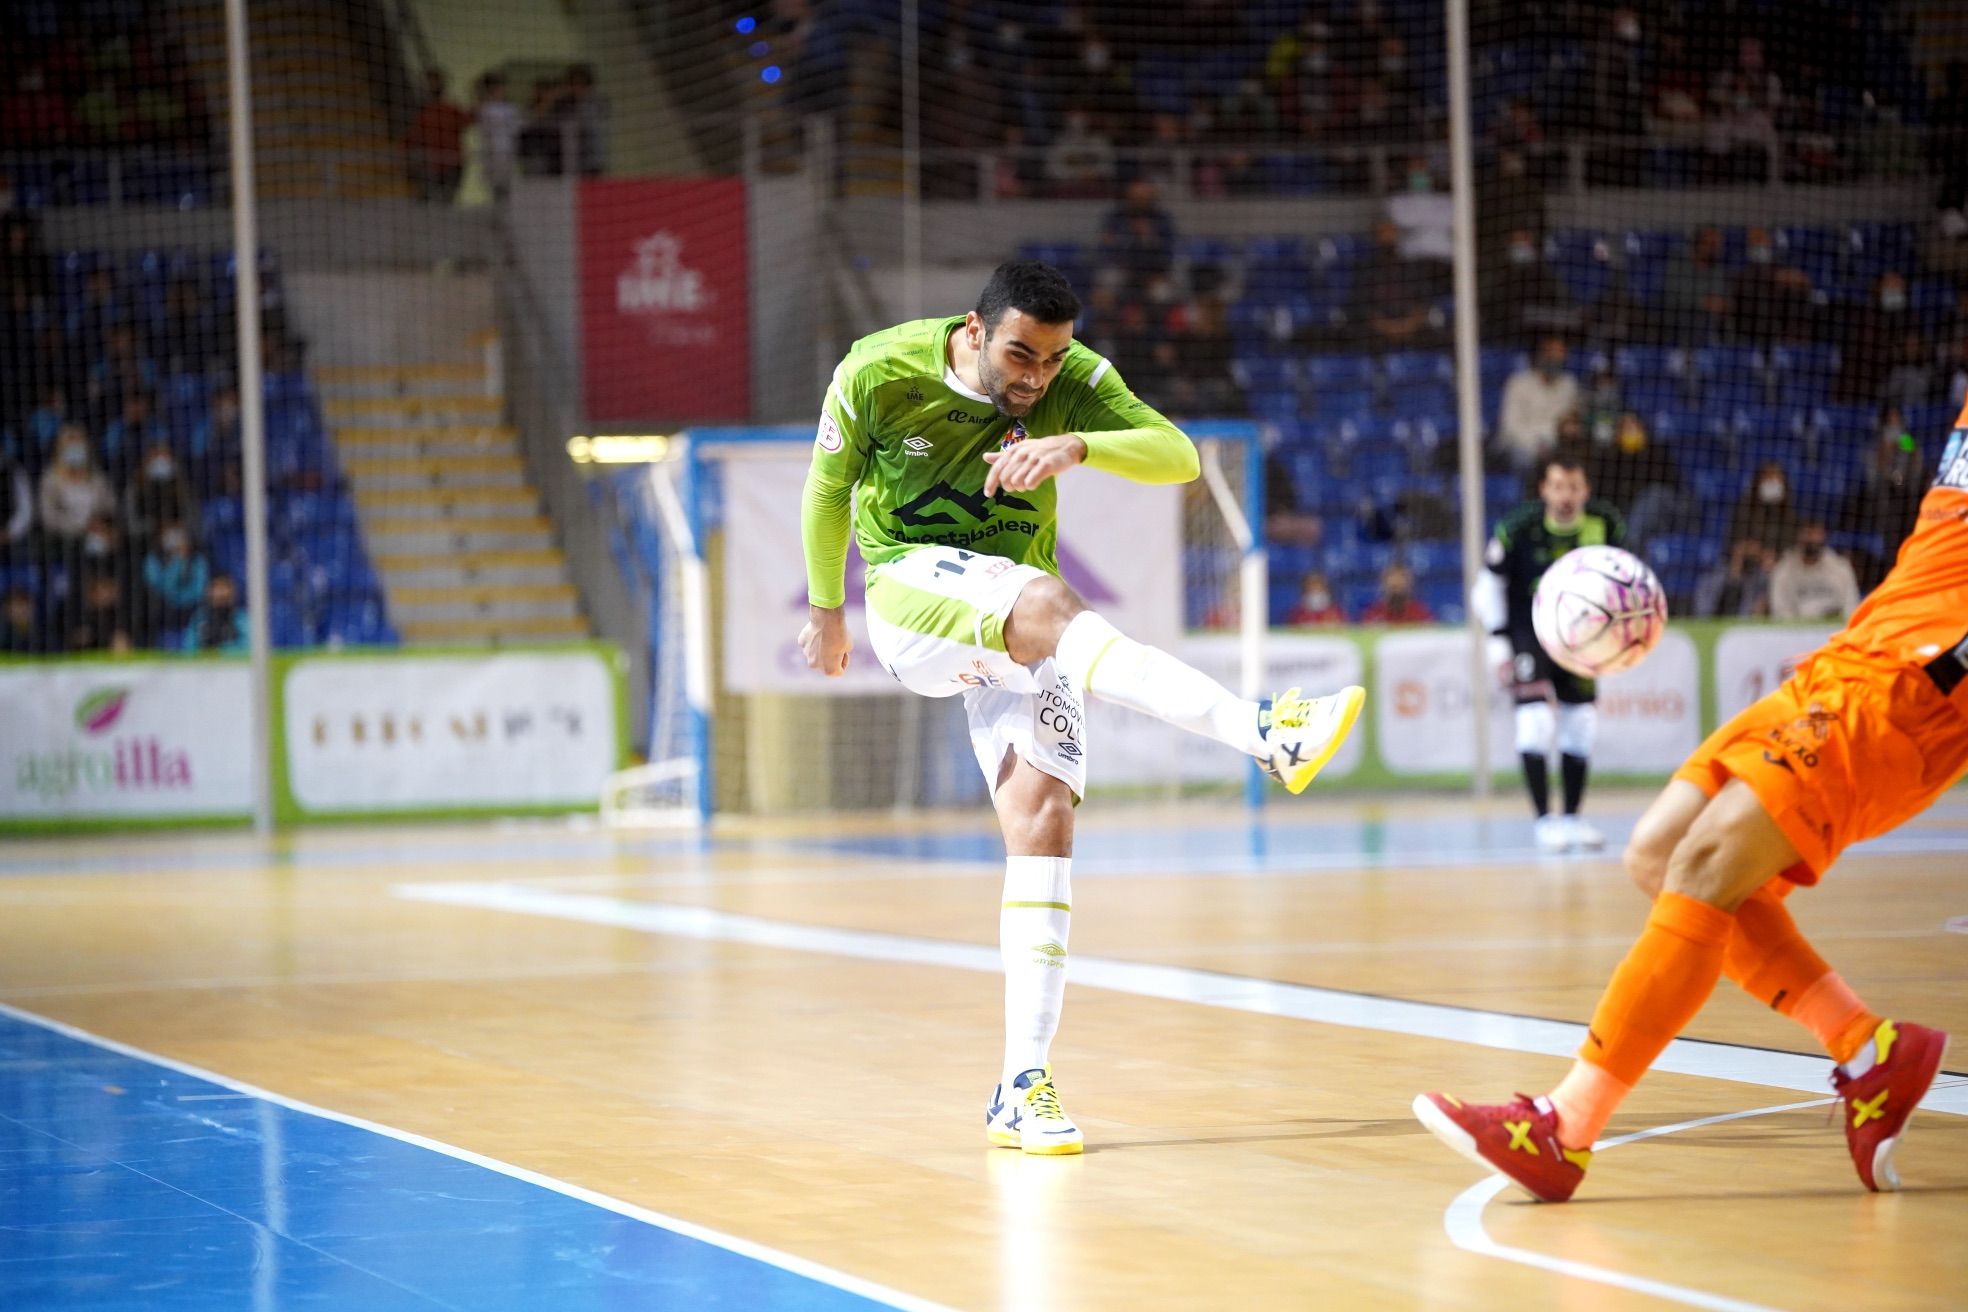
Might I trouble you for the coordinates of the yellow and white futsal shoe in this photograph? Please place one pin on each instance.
(1028, 1116)
(1304, 733)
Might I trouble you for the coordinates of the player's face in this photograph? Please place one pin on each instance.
(1564, 492)
(1017, 359)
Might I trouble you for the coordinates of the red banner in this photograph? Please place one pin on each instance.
(665, 327)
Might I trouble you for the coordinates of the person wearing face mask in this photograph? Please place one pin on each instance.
(1738, 586)
(1765, 513)
(1397, 602)
(73, 490)
(1522, 299)
(157, 492)
(174, 578)
(220, 624)
(101, 617)
(1811, 581)
(1770, 299)
(1080, 161)
(1873, 338)
(1535, 399)
(1316, 603)
(1642, 476)
(1426, 217)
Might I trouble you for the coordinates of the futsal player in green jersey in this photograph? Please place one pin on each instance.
(941, 439)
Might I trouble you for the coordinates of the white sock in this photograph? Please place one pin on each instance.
(1032, 925)
(1863, 1060)
(1108, 664)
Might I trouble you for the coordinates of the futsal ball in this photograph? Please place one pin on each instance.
(1599, 610)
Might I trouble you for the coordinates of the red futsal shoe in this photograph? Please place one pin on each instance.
(1879, 1103)
(1517, 1139)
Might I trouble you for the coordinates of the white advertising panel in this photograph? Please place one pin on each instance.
(1751, 662)
(369, 734)
(135, 739)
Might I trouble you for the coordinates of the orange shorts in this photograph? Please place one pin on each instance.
(1842, 752)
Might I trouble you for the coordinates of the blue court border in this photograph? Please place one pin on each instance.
(128, 1180)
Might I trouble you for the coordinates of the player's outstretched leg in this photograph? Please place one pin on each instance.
(1543, 1144)
(1293, 736)
(1035, 811)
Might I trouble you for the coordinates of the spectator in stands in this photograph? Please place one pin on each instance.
(23, 262)
(1522, 298)
(1397, 602)
(21, 633)
(1643, 479)
(195, 336)
(158, 494)
(1886, 501)
(539, 139)
(1535, 399)
(16, 509)
(434, 146)
(497, 121)
(126, 437)
(1619, 75)
(122, 372)
(43, 424)
(102, 619)
(1426, 217)
(74, 491)
(102, 309)
(1601, 407)
(1316, 602)
(1388, 298)
(1206, 382)
(1911, 380)
(220, 624)
(35, 116)
(215, 450)
(1766, 512)
(1811, 581)
(1695, 291)
(1509, 200)
(1738, 586)
(1286, 517)
(174, 578)
(1138, 235)
(586, 109)
(1874, 335)
(1740, 131)
(1771, 301)
(1080, 161)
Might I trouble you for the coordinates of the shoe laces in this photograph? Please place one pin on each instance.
(1291, 709)
(1043, 1101)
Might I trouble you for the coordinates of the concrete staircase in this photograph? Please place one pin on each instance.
(454, 527)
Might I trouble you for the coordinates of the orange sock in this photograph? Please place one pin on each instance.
(1774, 964)
(1656, 991)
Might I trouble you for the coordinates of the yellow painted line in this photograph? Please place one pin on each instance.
(382, 525)
(533, 626)
(458, 371)
(440, 497)
(481, 593)
(543, 558)
(368, 436)
(428, 466)
(422, 405)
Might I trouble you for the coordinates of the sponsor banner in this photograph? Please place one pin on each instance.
(1649, 717)
(368, 735)
(135, 739)
(1751, 662)
(1127, 748)
(665, 299)
(1132, 575)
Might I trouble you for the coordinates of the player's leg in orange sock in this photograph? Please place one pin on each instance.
(1773, 963)
(1731, 849)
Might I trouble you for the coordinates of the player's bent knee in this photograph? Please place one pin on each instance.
(1646, 865)
(1044, 608)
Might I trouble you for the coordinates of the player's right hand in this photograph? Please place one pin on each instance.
(825, 641)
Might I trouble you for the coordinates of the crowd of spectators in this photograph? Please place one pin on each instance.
(563, 129)
(1085, 97)
(101, 524)
(88, 77)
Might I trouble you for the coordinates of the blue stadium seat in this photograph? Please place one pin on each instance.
(1405, 367)
(1502, 492)
(1435, 559)
(1819, 252)
(1930, 424)
(1444, 598)
(1372, 460)
(1717, 485)
(1275, 407)
(1682, 551)
(1649, 362)
(1267, 373)
(1430, 401)
(1323, 371)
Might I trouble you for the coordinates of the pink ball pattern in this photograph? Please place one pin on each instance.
(1598, 611)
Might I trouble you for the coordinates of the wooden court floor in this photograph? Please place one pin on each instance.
(787, 1034)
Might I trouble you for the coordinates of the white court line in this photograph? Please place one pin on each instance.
(798, 1266)
(1464, 1223)
(1488, 1029)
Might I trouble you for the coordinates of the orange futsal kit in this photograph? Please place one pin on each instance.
(1873, 726)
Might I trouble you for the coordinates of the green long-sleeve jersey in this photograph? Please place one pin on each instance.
(901, 428)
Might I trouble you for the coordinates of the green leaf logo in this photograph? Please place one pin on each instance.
(101, 709)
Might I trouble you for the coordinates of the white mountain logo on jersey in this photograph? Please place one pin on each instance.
(658, 281)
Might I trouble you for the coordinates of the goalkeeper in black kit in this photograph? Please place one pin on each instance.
(1554, 706)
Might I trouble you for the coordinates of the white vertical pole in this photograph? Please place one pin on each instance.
(252, 410)
(1469, 389)
(912, 241)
